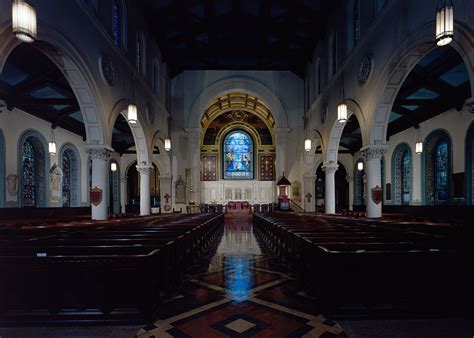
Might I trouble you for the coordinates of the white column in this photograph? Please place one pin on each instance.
(165, 191)
(330, 188)
(350, 180)
(309, 192)
(100, 180)
(372, 155)
(145, 171)
(194, 160)
(123, 192)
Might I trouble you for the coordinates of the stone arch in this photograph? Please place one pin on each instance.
(399, 67)
(429, 146)
(41, 147)
(398, 175)
(2, 170)
(64, 54)
(75, 200)
(138, 132)
(330, 152)
(469, 151)
(236, 84)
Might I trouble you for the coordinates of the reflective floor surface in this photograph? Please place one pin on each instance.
(238, 291)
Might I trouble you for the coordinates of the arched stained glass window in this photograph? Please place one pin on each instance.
(32, 164)
(238, 156)
(437, 168)
(401, 179)
(29, 170)
(442, 171)
(70, 177)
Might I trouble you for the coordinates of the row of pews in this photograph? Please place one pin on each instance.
(114, 271)
(343, 261)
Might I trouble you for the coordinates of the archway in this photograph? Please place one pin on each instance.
(417, 48)
(73, 68)
(238, 152)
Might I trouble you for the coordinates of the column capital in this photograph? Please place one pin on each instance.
(309, 177)
(330, 167)
(281, 130)
(124, 179)
(373, 151)
(99, 152)
(469, 104)
(145, 169)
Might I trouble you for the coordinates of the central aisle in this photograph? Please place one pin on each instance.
(238, 291)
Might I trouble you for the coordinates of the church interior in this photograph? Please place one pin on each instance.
(236, 168)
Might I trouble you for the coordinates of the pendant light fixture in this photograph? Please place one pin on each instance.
(167, 139)
(24, 21)
(444, 22)
(113, 166)
(132, 111)
(52, 143)
(419, 142)
(307, 144)
(360, 166)
(342, 107)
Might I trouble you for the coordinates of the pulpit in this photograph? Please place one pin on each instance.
(283, 200)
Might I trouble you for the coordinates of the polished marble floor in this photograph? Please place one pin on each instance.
(239, 291)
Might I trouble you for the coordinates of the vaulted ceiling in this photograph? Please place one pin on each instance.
(238, 34)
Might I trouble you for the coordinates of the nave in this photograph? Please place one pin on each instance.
(242, 287)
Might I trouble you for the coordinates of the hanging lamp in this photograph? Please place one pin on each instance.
(24, 21)
(360, 166)
(342, 107)
(419, 142)
(307, 144)
(167, 139)
(52, 143)
(132, 111)
(444, 22)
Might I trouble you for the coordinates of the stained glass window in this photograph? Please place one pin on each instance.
(29, 174)
(406, 177)
(356, 19)
(238, 156)
(441, 171)
(66, 180)
(402, 174)
(116, 23)
(69, 185)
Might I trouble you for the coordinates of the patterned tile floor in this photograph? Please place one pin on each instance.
(238, 291)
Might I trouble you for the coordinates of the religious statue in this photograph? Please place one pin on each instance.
(12, 185)
(55, 180)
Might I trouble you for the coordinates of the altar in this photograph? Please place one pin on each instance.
(251, 191)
